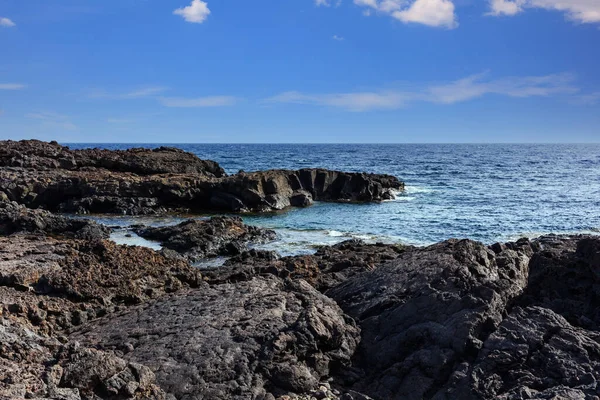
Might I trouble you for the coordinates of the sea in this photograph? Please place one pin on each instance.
(486, 192)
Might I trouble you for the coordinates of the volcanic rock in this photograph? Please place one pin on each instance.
(250, 340)
(426, 312)
(217, 236)
(139, 181)
(15, 218)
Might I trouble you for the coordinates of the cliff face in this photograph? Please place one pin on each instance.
(140, 181)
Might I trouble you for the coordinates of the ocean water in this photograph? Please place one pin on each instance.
(486, 192)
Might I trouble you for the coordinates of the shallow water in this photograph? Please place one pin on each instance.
(484, 192)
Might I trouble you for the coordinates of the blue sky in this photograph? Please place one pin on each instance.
(300, 70)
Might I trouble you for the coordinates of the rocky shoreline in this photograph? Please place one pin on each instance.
(84, 318)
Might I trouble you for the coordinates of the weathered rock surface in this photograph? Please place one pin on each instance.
(536, 354)
(427, 312)
(83, 318)
(327, 268)
(217, 236)
(141, 181)
(37, 155)
(98, 276)
(36, 366)
(250, 340)
(15, 218)
(549, 345)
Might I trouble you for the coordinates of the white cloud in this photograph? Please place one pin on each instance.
(477, 86)
(12, 86)
(53, 120)
(328, 3)
(461, 90)
(358, 101)
(582, 11)
(139, 93)
(505, 7)
(338, 38)
(199, 102)
(588, 99)
(7, 23)
(435, 13)
(196, 12)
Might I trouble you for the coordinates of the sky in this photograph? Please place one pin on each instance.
(300, 71)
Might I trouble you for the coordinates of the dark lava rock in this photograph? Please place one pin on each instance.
(250, 340)
(326, 269)
(565, 277)
(100, 273)
(217, 236)
(15, 218)
(38, 155)
(139, 181)
(535, 354)
(426, 313)
(36, 366)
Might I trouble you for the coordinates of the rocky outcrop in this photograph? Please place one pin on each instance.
(141, 181)
(99, 275)
(426, 313)
(37, 366)
(252, 340)
(217, 236)
(536, 354)
(15, 218)
(37, 155)
(327, 268)
(549, 345)
(278, 189)
(83, 318)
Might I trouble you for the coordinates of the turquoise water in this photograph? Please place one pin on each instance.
(484, 192)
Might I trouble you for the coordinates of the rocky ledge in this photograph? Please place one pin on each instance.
(199, 239)
(83, 318)
(140, 181)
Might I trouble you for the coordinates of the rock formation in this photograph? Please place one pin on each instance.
(139, 181)
(217, 236)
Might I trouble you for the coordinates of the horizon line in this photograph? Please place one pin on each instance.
(321, 143)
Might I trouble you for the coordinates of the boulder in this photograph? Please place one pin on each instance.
(256, 339)
(217, 236)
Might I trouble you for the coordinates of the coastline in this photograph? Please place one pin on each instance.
(86, 318)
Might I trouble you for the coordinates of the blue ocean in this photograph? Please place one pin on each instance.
(486, 192)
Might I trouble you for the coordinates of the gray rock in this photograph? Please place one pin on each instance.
(426, 312)
(247, 340)
(217, 236)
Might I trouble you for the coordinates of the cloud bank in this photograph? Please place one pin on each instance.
(580, 11)
(458, 91)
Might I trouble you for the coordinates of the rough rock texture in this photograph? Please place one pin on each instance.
(427, 312)
(38, 155)
(97, 275)
(549, 345)
(250, 340)
(155, 181)
(32, 366)
(327, 268)
(565, 277)
(217, 236)
(15, 218)
(278, 189)
(537, 354)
